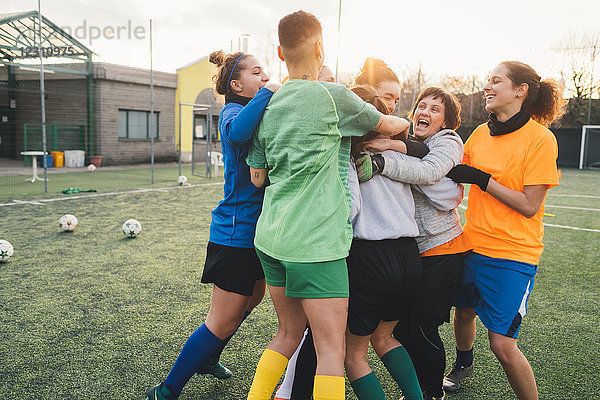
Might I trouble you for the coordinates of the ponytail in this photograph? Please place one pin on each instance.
(229, 67)
(549, 103)
(544, 99)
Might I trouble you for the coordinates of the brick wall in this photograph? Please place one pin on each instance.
(118, 87)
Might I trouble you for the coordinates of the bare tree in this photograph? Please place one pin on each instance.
(468, 89)
(267, 54)
(582, 51)
(413, 79)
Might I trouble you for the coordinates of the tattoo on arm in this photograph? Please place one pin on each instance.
(379, 124)
(305, 77)
(257, 175)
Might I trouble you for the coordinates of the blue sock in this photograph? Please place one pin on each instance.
(217, 354)
(200, 345)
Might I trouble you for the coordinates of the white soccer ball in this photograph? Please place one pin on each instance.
(91, 167)
(6, 250)
(68, 223)
(132, 228)
(181, 180)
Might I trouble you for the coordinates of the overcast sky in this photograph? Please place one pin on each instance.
(446, 36)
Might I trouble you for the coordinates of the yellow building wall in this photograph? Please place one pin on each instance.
(191, 80)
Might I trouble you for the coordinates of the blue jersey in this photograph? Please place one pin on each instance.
(234, 220)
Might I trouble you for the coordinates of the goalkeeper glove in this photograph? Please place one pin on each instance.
(463, 173)
(415, 148)
(367, 166)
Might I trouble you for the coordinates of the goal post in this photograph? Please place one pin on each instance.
(589, 155)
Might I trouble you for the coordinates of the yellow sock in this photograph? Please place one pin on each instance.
(329, 388)
(269, 370)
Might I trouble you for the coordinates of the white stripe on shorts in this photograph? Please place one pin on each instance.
(523, 307)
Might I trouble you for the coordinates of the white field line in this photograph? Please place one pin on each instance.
(83, 196)
(574, 208)
(557, 226)
(553, 206)
(572, 227)
(587, 196)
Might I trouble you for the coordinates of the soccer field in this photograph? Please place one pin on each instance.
(92, 314)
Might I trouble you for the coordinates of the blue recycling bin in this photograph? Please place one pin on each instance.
(48, 158)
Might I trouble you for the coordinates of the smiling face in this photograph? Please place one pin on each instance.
(501, 96)
(252, 78)
(389, 92)
(429, 117)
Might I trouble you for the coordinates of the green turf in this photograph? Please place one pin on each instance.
(92, 314)
(102, 179)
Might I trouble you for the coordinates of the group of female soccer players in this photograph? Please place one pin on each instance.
(410, 260)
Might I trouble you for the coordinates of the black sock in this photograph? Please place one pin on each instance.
(306, 364)
(464, 358)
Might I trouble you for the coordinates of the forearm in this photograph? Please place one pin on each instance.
(526, 203)
(427, 171)
(258, 177)
(245, 122)
(391, 125)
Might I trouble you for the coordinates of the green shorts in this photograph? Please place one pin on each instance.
(317, 280)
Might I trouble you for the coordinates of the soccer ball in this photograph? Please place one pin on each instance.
(181, 180)
(91, 167)
(68, 223)
(6, 250)
(132, 228)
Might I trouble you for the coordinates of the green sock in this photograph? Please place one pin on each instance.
(368, 387)
(398, 363)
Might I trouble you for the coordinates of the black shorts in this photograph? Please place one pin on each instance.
(234, 269)
(383, 275)
(441, 279)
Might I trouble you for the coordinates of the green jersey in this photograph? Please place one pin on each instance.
(304, 141)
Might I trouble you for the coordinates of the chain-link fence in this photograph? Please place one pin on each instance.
(67, 120)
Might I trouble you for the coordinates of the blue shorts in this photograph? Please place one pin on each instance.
(497, 290)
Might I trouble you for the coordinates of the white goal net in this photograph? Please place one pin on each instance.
(589, 156)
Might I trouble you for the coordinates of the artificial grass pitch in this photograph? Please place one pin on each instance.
(93, 314)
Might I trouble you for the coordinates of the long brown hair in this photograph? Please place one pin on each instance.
(225, 64)
(368, 94)
(544, 99)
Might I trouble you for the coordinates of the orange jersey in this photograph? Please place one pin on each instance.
(524, 157)
(459, 244)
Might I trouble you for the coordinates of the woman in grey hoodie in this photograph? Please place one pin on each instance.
(442, 244)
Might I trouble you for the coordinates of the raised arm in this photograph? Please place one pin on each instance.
(391, 125)
(238, 128)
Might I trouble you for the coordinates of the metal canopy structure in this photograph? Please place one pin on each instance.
(26, 42)
(19, 41)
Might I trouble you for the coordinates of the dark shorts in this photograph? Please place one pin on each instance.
(441, 279)
(383, 276)
(233, 269)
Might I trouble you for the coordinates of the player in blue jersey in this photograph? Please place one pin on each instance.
(232, 265)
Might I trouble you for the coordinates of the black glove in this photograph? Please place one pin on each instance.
(367, 166)
(463, 173)
(415, 148)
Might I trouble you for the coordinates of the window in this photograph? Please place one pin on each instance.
(201, 127)
(136, 124)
